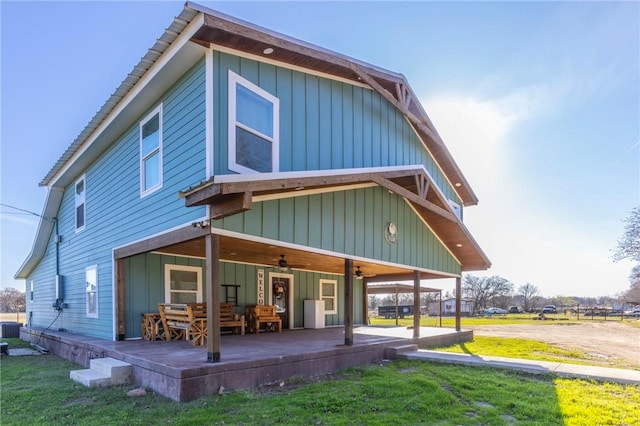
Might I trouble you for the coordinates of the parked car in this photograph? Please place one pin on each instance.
(549, 309)
(635, 312)
(495, 311)
(515, 310)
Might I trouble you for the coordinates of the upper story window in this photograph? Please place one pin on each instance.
(151, 152)
(80, 196)
(253, 127)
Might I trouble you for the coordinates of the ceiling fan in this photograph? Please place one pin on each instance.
(286, 266)
(360, 275)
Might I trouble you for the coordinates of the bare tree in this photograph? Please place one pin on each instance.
(629, 244)
(633, 294)
(485, 289)
(12, 300)
(529, 293)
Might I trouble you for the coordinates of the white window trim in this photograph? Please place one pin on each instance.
(76, 204)
(167, 280)
(91, 314)
(234, 80)
(334, 297)
(31, 290)
(144, 192)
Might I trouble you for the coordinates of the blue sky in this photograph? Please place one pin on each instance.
(539, 102)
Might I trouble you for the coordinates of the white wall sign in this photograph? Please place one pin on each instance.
(261, 295)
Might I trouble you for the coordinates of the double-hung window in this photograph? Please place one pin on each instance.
(329, 294)
(151, 152)
(91, 282)
(253, 127)
(80, 196)
(183, 284)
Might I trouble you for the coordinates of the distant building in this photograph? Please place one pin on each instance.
(449, 307)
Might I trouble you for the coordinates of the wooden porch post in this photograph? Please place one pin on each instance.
(348, 302)
(119, 299)
(365, 302)
(458, 301)
(212, 281)
(416, 304)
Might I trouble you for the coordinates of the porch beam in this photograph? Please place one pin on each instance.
(212, 281)
(348, 302)
(185, 233)
(416, 304)
(231, 204)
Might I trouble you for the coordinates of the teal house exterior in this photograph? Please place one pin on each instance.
(235, 164)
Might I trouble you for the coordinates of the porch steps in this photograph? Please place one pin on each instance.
(103, 372)
(392, 352)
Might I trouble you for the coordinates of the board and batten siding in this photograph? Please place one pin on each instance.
(350, 222)
(145, 279)
(324, 124)
(115, 212)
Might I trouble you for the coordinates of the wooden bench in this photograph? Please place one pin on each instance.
(228, 319)
(184, 320)
(263, 314)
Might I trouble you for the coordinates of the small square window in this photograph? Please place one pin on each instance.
(253, 127)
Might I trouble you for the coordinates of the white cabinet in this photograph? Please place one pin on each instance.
(313, 314)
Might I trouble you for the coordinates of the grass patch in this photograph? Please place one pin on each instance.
(450, 322)
(519, 348)
(37, 390)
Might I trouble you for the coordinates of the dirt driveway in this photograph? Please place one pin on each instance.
(613, 343)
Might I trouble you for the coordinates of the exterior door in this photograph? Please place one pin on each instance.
(281, 297)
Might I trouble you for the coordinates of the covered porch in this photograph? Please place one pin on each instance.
(181, 372)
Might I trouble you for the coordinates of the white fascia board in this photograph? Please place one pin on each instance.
(254, 177)
(45, 227)
(176, 60)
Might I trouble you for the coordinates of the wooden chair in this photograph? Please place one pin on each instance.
(228, 319)
(184, 320)
(263, 314)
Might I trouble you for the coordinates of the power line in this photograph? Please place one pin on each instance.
(26, 212)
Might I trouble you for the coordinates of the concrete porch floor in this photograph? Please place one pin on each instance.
(181, 372)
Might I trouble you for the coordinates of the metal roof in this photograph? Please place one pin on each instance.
(170, 34)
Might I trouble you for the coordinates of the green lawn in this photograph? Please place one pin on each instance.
(450, 322)
(36, 390)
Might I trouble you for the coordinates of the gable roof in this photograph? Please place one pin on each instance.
(178, 48)
(223, 30)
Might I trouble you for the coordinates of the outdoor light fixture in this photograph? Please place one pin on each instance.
(268, 51)
(201, 224)
(358, 273)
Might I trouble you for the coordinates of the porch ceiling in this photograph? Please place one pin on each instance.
(252, 252)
